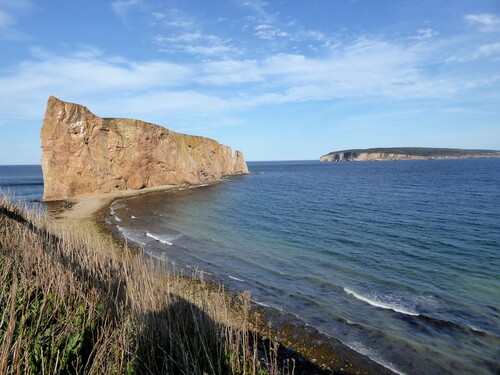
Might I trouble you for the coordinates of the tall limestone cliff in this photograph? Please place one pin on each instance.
(83, 153)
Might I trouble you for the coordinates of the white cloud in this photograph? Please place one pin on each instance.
(310, 35)
(9, 13)
(425, 34)
(85, 74)
(6, 20)
(186, 38)
(270, 28)
(263, 27)
(257, 7)
(268, 32)
(217, 50)
(229, 72)
(122, 8)
(484, 51)
(485, 21)
(173, 18)
(158, 15)
(195, 43)
(365, 68)
(487, 50)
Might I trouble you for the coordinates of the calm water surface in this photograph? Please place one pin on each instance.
(398, 260)
(22, 182)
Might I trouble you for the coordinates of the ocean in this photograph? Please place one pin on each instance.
(23, 183)
(398, 260)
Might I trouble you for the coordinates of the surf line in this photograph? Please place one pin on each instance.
(381, 304)
(158, 239)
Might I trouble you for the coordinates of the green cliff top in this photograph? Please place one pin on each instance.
(423, 151)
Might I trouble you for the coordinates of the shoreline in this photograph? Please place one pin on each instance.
(313, 351)
(87, 205)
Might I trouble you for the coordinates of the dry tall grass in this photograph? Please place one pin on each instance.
(68, 306)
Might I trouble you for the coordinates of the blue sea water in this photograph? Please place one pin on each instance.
(398, 260)
(22, 182)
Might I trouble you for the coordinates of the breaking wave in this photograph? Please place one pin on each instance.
(386, 302)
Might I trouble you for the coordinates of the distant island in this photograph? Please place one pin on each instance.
(407, 153)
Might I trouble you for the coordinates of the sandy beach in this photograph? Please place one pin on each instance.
(86, 206)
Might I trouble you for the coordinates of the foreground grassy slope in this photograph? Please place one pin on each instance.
(67, 308)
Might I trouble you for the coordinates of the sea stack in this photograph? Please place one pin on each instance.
(83, 154)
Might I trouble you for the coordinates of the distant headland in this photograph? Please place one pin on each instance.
(85, 154)
(407, 153)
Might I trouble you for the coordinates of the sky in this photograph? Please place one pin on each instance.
(279, 80)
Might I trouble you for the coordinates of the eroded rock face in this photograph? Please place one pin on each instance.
(83, 153)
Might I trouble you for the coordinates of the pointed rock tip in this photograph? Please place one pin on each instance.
(52, 98)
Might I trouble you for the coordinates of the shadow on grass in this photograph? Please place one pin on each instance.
(182, 339)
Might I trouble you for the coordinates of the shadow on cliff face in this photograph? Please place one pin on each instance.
(183, 339)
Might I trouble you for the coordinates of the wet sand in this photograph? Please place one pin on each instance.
(86, 206)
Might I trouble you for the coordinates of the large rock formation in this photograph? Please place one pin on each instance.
(407, 153)
(83, 153)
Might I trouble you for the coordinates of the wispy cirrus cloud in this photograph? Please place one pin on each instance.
(484, 21)
(269, 27)
(227, 77)
(487, 50)
(122, 8)
(268, 32)
(175, 31)
(174, 18)
(195, 43)
(366, 68)
(425, 34)
(484, 52)
(10, 11)
(85, 76)
(258, 8)
(6, 20)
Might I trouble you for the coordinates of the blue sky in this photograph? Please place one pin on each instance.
(280, 80)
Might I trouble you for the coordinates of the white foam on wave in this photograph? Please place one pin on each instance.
(235, 278)
(115, 206)
(476, 329)
(260, 303)
(377, 301)
(360, 348)
(117, 218)
(160, 239)
(130, 235)
(133, 217)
